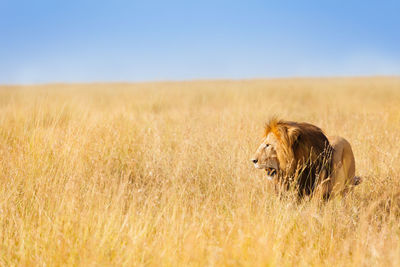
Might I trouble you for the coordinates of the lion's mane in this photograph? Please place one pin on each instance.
(304, 154)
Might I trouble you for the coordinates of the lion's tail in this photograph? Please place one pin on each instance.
(357, 180)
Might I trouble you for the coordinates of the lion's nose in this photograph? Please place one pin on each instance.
(254, 161)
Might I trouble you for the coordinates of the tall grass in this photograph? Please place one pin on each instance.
(159, 174)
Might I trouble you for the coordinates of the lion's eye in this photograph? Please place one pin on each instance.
(267, 145)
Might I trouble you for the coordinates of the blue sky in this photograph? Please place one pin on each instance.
(87, 41)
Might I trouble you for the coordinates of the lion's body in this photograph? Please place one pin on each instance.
(305, 158)
(344, 167)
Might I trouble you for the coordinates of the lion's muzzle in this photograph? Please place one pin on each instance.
(271, 171)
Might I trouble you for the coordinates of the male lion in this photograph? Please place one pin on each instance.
(300, 155)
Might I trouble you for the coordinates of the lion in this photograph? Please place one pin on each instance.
(300, 155)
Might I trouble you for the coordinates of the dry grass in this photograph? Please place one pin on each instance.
(159, 174)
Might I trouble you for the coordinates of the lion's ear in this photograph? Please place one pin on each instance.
(293, 135)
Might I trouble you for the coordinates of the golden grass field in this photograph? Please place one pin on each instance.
(159, 174)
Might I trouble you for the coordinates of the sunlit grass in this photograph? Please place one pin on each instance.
(159, 174)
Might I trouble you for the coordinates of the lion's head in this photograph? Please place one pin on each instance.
(293, 151)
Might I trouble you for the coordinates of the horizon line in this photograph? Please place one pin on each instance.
(294, 77)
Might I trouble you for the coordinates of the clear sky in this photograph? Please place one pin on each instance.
(84, 41)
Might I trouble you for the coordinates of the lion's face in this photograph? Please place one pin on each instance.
(266, 156)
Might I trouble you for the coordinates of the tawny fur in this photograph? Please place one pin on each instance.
(310, 161)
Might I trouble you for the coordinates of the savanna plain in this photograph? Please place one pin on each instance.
(159, 174)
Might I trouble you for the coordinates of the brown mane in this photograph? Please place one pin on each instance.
(304, 155)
